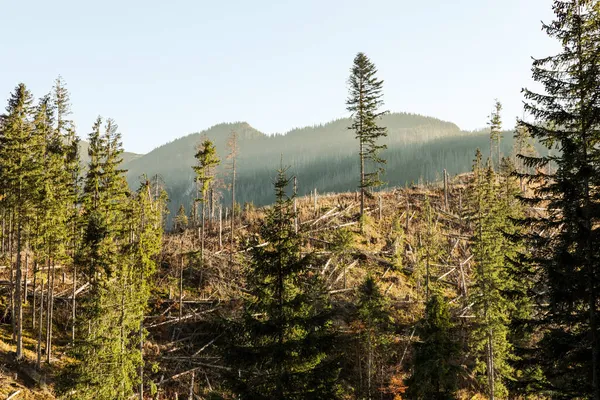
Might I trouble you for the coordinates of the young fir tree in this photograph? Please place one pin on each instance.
(566, 240)
(430, 249)
(207, 161)
(523, 147)
(435, 369)
(489, 340)
(145, 244)
(373, 325)
(180, 223)
(282, 346)
(495, 124)
(364, 102)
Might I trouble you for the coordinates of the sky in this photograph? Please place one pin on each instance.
(164, 69)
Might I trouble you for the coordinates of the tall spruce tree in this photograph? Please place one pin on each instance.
(108, 356)
(282, 346)
(491, 308)
(20, 153)
(207, 161)
(364, 103)
(495, 124)
(566, 241)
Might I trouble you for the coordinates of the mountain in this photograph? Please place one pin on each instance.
(323, 156)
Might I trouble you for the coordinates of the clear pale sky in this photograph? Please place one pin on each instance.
(163, 69)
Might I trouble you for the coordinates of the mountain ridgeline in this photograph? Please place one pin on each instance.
(322, 157)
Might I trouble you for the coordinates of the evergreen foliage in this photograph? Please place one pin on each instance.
(282, 348)
(434, 369)
(565, 241)
(364, 101)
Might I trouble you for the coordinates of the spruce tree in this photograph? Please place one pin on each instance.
(207, 162)
(282, 346)
(566, 117)
(495, 124)
(435, 370)
(374, 327)
(20, 150)
(108, 356)
(489, 340)
(364, 103)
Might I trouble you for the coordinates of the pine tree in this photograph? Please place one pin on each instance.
(282, 346)
(566, 240)
(364, 101)
(435, 369)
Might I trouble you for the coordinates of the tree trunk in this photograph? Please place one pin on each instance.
(18, 295)
(50, 315)
(74, 305)
(40, 327)
(232, 212)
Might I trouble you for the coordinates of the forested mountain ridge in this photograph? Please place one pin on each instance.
(323, 157)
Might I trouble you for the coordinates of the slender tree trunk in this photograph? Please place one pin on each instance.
(40, 326)
(362, 185)
(33, 302)
(232, 212)
(491, 377)
(181, 285)
(12, 279)
(18, 295)
(295, 204)
(25, 283)
(202, 230)
(220, 228)
(50, 315)
(74, 305)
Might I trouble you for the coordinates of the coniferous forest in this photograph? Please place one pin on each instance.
(443, 265)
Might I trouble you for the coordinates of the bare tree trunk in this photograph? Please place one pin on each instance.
(12, 278)
(181, 286)
(295, 204)
(26, 275)
(40, 326)
(74, 305)
(232, 210)
(18, 298)
(50, 315)
(33, 310)
(202, 234)
(220, 228)
(191, 396)
(362, 185)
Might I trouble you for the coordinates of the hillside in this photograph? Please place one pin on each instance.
(321, 156)
(180, 343)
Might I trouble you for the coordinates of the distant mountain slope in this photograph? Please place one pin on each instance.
(85, 158)
(322, 156)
